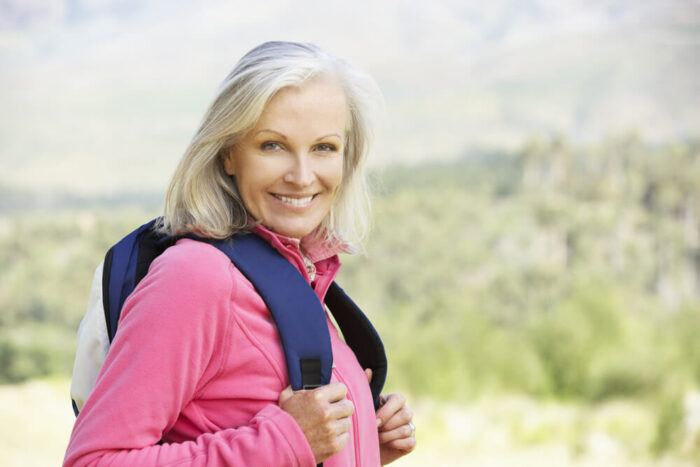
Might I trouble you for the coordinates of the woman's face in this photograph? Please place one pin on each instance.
(288, 168)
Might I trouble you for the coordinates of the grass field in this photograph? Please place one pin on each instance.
(36, 420)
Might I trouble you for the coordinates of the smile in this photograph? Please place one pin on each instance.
(300, 202)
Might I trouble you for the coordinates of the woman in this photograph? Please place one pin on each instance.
(197, 361)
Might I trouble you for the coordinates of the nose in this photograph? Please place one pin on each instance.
(300, 172)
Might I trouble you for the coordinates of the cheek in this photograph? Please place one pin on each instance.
(253, 191)
(252, 177)
(335, 175)
(250, 191)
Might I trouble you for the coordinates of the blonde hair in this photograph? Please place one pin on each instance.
(202, 198)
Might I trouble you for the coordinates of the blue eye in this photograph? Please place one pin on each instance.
(326, 147)
(270, 146)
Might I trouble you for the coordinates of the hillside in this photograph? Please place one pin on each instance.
(557, 271)
(103, 98)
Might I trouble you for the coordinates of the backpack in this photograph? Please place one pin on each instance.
(295, 307)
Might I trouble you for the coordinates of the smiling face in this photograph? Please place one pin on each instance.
(289, 167)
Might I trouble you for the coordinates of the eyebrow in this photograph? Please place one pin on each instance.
(329, 134)
(271, 131)
(285, 138)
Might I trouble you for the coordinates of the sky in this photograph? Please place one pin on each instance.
(104, 95)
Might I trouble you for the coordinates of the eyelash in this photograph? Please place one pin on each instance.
(275, 146)
(266, 146)
(329, 147)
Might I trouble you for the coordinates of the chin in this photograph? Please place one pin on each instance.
(290, 228)
(292, 233)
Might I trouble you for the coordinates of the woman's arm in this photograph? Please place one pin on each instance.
(173, 335)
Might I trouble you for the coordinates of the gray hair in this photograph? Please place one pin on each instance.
(202, 198)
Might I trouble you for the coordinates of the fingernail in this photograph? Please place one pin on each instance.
(379, 422)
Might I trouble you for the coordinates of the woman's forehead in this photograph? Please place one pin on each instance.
(318, 106)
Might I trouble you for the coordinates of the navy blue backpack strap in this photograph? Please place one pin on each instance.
(126, 263)
(295, 307)
(360, 336)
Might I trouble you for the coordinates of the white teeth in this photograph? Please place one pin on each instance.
(295, 201)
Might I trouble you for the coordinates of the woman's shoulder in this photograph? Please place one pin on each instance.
(187, 276)
(193, 263)
(187, 249)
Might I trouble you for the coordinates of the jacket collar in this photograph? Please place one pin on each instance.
(315, 249)
(322, 253)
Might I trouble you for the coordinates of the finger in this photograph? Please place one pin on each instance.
(404, 431)
(402, 417)
(393, 404)
(340, 441)
(332, 392)
(404, 444)
(340, 409)
(342, 425)
(368, 373)
(285, 394)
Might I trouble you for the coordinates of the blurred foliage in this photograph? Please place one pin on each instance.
(557, 271)
(47, 260)
(670, 421)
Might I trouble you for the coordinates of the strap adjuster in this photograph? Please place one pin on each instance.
(310, 373)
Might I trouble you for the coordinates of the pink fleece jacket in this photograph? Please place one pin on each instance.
(198, 363)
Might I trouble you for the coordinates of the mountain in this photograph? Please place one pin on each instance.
(103, 96)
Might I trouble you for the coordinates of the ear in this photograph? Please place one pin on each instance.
(228, 160)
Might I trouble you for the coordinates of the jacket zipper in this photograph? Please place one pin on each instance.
(353, 417)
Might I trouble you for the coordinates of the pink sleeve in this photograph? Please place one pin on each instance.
(172, 338)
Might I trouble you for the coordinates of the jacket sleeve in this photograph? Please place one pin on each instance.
(172, 339)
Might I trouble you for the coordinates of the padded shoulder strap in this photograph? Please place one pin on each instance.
(126, 263)
(361, 336)
(298, 313)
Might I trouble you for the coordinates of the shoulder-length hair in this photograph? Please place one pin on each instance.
(202, 198)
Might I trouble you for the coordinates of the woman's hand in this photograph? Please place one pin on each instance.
(323, 415)
(395, 425)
